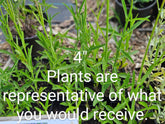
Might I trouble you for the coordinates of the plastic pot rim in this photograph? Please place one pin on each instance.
(138, 9)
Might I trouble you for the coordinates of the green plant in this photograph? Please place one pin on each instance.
(156, 78)
(94, 67)
(14, 79)
(159, 114)
(87, 41)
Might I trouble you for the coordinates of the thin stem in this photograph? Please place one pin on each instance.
(107, 30)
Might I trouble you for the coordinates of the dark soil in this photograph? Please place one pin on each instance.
(28, 22)
(28, 26)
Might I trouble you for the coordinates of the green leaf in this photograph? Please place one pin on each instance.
(95, 101)
(6, 88)
(127, 56)
(1, 2)
(122, 75)
(105, 86)
(119, 107)
(137, 24)
(10, 106)
(91, 114)
(108, 108)
(68, 66)
(64, 103)
(82, 4)
(125, 8)
(117, 121)
(112, 31)
(58, 87)
(144, 104)
(96, 47)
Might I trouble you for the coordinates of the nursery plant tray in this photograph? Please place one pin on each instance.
(15, 120)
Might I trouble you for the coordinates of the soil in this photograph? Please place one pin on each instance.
(28, 22)
(28, 26)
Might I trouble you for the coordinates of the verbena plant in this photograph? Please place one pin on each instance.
(123, 52)
(24, 79)
(158, 60)
(88, 39)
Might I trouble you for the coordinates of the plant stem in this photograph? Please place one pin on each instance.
(107, 30)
